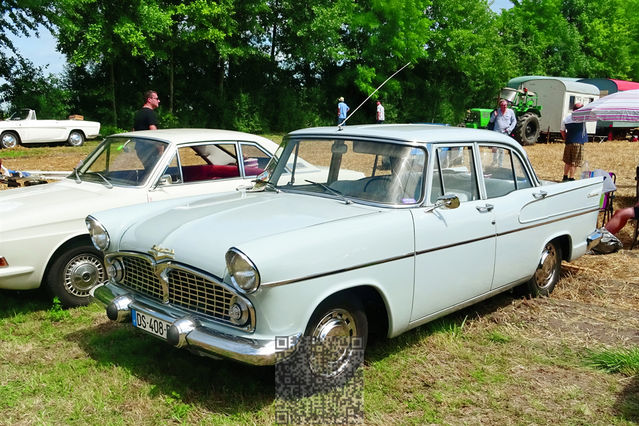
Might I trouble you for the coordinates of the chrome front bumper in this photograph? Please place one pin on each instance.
(593, 239)
(187, 332)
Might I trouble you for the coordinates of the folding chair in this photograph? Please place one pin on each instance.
(606, 202)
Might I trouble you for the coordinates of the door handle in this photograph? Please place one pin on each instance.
(539, 195)
(484, 209)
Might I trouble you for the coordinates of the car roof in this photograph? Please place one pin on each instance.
(181, 136)
(413, 133)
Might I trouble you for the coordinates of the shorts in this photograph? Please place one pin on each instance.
(574, 154)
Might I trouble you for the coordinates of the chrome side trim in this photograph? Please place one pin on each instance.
(418, 253)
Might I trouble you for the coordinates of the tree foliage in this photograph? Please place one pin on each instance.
(262, 65)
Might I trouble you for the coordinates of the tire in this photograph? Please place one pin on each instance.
(9, 140)
(76, 138)
(73, 273)
(527, 129)
(546, 276)
(331, 351)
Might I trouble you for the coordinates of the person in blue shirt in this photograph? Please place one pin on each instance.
(574, 135)
(504, 119)
(342, 110)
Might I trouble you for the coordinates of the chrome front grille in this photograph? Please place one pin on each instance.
(186, 289)
(198, 294)
(140, 276)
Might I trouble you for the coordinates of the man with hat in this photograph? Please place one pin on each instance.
(575, 135)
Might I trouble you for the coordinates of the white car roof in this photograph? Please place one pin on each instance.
(181, 136)
(413, 133)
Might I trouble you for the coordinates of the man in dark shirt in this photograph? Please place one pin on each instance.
(146, 118)
(574, 134)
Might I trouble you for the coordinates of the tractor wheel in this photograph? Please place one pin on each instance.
(527, 129)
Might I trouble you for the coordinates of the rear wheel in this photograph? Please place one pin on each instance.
(76, 138)
(527, 129)
(9, 140)
(546, 276)
(74, 273)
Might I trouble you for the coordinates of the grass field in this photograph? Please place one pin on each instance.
(572, 358)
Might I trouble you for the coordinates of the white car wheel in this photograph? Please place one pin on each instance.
(76, 138)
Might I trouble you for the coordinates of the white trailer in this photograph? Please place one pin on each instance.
(557, 96)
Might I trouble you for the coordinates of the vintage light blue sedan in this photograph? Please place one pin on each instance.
(397, 225)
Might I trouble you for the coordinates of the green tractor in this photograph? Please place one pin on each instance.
(524, 104)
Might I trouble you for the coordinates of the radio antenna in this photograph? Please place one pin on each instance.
(339, 126)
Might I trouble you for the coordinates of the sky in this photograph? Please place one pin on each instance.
(42, 52)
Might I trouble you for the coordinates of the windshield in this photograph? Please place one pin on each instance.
(357, 170)
(121, 161)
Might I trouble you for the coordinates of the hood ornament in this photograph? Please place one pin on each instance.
(161, 253)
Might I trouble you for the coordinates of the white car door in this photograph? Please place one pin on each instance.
(455, 248)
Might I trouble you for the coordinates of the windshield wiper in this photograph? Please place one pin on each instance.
(331, 190)
(77, 175)
(106, 181)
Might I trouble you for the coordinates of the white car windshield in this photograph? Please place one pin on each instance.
(355, 170)
(123, 161)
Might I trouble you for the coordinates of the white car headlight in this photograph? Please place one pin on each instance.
(244, 275)
(99, 235)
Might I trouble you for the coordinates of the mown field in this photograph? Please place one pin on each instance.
(572, 358)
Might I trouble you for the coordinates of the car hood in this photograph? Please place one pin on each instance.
(59, 202)
(200, 231)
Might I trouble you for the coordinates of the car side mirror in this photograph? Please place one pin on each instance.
(446, 201)
(165, 180)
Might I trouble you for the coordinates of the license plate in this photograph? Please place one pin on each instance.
(150, 323)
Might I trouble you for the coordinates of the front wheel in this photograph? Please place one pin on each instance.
(331, 350)
(546, 276)
(74, 273)
(527, 129)
(76, 138)
(9, 140)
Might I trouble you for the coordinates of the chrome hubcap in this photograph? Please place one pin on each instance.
(75, 139)
(331, 349)
(547, 267)
(9, 141)
(82, 273)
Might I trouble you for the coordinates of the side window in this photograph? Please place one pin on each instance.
(254, 159)
(454, 172)
(209, 161)
(503, 172)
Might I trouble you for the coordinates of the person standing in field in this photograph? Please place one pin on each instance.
(342, 110)
(380, 116)
(503, 119)
(575, 136)
(145, 118)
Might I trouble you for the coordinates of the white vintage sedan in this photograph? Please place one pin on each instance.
(43, 239)
(401, 225)
(24, 128)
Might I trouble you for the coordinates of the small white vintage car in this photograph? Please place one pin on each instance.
(401, 224)
(24, 128)
(43, 238)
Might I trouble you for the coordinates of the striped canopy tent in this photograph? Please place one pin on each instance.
(619, 106)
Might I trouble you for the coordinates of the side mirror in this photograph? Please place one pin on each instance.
(165, 180)
(446, 201)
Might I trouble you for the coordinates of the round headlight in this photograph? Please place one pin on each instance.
(244, 275)
(99, 235)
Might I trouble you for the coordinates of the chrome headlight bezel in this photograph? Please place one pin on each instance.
(99, 235)
(244, 275)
